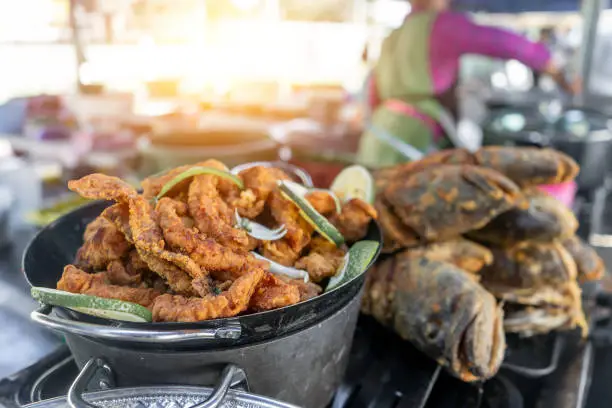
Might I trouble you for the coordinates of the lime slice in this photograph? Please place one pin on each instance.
(355, 263)
(354, 182)
(319, 222)
(196, 171)
(93, 305)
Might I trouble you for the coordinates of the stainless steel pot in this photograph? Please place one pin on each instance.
(303, 368)
(232, 390)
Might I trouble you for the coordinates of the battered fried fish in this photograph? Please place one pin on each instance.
(169, 308)
(354, 219)
(103, 244)
(323, 259)
(97, 284)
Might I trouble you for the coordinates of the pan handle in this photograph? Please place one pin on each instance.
(232, 376)
(42, 315)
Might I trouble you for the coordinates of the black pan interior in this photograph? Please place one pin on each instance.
(56, 245)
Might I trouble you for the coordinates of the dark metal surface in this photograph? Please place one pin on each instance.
(56, 245)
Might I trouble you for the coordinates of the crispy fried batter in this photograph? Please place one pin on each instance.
(279, 251)
(286, 213)
(103, 244)
(168, 308)
(322, 202)
(212, 216)
(120, 274)
(273, 293)
(354, 220)
(77, 281)
(145, 233)
(259, 182)
(308, 290)
(323, 259)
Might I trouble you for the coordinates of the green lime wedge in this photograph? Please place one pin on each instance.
(307, 211)
(354, 182)
(93, 305)
(355, 263)
(196, 171)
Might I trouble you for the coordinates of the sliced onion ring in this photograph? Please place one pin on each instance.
(279, 269)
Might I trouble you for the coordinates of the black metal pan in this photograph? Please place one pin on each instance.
(56, 245)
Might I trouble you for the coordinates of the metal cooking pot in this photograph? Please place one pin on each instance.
(296, 354)
(231, 390)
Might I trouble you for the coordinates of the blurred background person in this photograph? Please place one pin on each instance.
(412, 92)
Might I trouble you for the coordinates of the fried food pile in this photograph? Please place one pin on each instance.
(185, 258)
(475, 249)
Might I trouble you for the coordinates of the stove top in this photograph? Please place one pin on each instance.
(387, 372)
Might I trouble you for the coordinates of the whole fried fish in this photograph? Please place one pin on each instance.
(446, 201)
(545, 220)
(528, 266)
(440, 309)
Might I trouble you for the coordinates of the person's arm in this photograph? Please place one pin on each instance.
(468, 37)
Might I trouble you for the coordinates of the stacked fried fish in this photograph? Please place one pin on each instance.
(184, 256)
(475, 248)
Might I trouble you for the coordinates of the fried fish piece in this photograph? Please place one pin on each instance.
(212, 216)
(307, 290)
(354, 219)
(234, 300)
(442, 311)
(322, 202)
(273, 293)
(323, 259)
(445, 201)
(103, 244)
(259, 182)
(146, 235)
(75, 280)
(545, 220)
(590, 266)
(287, 250)
(529, 266)
(119, 274)
(223, 262)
